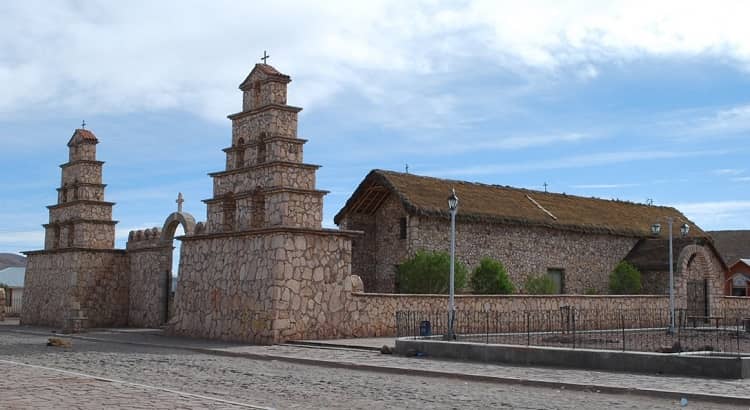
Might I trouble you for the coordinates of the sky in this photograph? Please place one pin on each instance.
(633, 100)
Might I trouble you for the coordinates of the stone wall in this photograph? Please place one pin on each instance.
(95, 279)
(586, 259)
(2, 304)
(374, 315)
(82, 171)
(272, 121)
(150, 266)
(262, 286)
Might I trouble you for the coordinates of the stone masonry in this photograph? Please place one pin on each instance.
(587, 259)
(261, 269)
(79, 278)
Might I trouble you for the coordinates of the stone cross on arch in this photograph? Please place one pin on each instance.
(179, 201)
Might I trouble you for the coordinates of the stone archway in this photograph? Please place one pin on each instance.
(168, 231)
(699, 282)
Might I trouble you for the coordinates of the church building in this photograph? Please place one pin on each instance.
(576, 241)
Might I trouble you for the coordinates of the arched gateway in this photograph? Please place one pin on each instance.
(151, 291)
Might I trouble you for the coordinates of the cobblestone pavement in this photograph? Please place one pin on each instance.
(270, 383)
(39, 388)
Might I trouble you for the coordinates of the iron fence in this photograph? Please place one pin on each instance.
(13, 303)
(647, 330)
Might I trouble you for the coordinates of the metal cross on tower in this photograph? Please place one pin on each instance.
(179, 201)
(265, 57)
(545, 187)
(83, 125)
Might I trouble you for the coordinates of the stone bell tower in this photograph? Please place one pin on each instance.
(79, 280)
(261, 269)
(81, 218)
(265, 183)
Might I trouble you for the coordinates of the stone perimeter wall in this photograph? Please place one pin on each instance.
(57, 280)
(262, 287)
(150, 265)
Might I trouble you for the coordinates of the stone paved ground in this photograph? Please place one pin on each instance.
(271, 383)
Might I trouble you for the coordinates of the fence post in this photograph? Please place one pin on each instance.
(737, 325)
(528, 330)
(572, 314)
(622, 325)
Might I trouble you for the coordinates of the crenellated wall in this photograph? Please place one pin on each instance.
(150, 266)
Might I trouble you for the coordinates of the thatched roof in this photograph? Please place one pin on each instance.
(422, 195)
(652, 254)
(732, 245)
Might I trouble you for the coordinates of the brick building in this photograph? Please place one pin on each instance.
(578, 241)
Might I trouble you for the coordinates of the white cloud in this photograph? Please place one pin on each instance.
(577, 161)
(603, 186)
(728, 171)
(741, 179)
(120, 56)
(718, 215)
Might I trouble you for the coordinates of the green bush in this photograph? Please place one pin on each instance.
(539, 285)
(429, 272)
(625, 280)
(590, 291)
(491, 278)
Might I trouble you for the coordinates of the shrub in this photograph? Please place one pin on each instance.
(491, 278)
(590, 291)
(540, 285)
(625, 280)
(429, 272)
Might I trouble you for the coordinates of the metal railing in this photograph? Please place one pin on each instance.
(616, 329)
(13, 304)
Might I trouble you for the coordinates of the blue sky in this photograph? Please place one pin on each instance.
(627, 100)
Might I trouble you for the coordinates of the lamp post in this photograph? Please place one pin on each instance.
(453, 207)
(656, 230)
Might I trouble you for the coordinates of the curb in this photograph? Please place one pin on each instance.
(670, 394)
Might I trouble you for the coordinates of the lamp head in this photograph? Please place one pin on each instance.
(453, 201)
(685, 229)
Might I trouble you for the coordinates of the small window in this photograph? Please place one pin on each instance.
(402, 228)
(558, 278)
(739, 285)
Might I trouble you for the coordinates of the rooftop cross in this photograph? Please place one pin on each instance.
(407, 168)
(545, 187)
(265, 57)
(83, 125)
(179, 201)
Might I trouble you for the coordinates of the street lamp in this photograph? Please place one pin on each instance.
(684, 230)
(453, 207)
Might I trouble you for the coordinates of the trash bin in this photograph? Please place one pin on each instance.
(425, 328)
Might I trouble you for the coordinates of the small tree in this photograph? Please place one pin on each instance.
(429, 272)
(540, 285)
(625, 279)
(491, 278)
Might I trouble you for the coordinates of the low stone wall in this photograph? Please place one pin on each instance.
(2, 304)
(734, 303)
(374, 314)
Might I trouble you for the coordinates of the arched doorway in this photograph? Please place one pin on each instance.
(701, 281)
(177, 224)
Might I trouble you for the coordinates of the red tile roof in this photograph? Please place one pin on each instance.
(82, 135)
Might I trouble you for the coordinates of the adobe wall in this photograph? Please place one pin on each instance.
(263, 286)
(96, 279)
(586, 258)
(150, 266)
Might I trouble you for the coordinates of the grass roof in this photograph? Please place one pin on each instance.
(421, 195)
